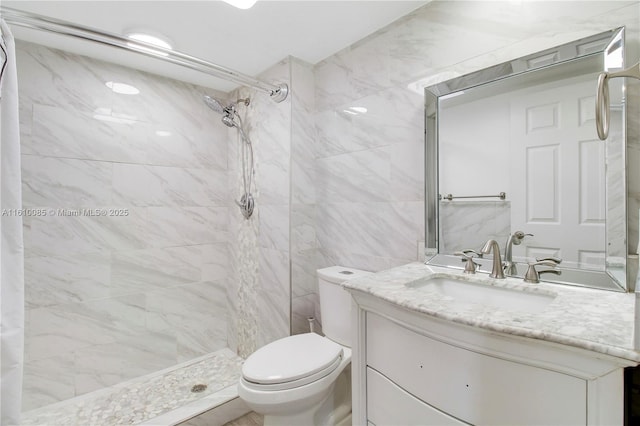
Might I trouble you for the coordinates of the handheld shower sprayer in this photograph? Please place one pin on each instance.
(230, 118)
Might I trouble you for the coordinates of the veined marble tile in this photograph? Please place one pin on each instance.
(372, 229)
(98, 366)
(407, 171)
(355, 177)
(168, 186)
(272, 180)
(173, 104)
(428, 36)
(179, 312)
(187, 225)
(274, 296)
(303, 227)
(65, 183)
(303, 137)
(150, 269)
(216, 261)
(334, 129)
(270, 132)
(170, 308)
(196, 338)
(303, 179)
(332, 257)
(469, 224)
(274, 227)
(53, 280)
(25, 113)
(62, 329)
(60, 132)
(69, 235)
(304, 279)
(47, 381)
(189, 148)
(382, 119)
(303, 86)
(352, 73)
(53, 77)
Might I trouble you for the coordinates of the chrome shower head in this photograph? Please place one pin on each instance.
(228, 120)
(214, 104)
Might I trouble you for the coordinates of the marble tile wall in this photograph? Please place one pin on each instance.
(469, 224)
(113, 297)
(370, 165)
(260, 292)
(272, 131)
(305, 254)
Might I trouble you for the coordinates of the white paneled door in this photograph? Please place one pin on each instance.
(559, 164)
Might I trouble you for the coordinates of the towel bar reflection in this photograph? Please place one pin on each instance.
(450, 197)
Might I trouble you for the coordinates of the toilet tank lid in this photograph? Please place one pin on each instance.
(338, 274)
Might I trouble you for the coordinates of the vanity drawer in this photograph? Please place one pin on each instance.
(473, 387)
(387, 404)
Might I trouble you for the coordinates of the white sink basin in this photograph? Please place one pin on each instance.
(504, 298)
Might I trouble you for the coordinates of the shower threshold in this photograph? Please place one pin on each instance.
(166, 397)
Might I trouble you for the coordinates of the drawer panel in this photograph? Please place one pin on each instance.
(470, 386)
(388, 405)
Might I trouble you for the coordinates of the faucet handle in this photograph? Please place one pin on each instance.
(555, 260)
(470, 266)
(533, 275)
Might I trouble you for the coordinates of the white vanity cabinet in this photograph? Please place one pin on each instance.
(412, 369)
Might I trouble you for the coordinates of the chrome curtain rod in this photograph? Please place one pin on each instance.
(277, 92)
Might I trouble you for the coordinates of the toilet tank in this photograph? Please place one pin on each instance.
(335, 302)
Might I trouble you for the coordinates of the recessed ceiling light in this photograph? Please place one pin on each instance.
(163, 133)
(122, 88)
(149, 39)
(241, 4)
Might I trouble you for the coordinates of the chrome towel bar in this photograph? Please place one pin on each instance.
(602, 97)
(450, 197)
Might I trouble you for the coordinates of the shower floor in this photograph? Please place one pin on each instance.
(145, 398)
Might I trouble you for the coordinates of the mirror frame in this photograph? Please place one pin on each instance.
(599, 44)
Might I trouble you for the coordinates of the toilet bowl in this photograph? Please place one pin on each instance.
(305, 379)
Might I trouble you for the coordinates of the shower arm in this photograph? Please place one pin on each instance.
(602, 97)
(277, 92)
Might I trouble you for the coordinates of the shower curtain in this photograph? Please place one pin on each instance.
(11, 244)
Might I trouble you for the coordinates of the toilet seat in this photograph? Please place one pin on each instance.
(291, 362)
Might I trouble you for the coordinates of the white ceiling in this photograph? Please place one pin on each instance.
(249, 41)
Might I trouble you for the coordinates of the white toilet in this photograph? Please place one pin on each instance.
(305, 379)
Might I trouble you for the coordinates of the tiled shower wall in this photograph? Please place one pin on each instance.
(117, 296)
(305, 253)
(370, 165)
(260, 291)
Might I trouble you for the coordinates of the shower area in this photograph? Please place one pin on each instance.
(167, 238)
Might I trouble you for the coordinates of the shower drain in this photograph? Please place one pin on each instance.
(198, 388)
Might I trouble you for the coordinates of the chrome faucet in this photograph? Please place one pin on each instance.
(533, 275)
(493, 247)
(467, 256)
(514, 240)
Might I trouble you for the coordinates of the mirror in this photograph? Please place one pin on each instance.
(514, 148)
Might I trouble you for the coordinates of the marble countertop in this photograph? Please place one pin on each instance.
(596, 320)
